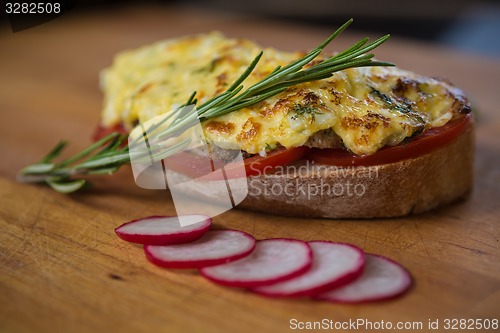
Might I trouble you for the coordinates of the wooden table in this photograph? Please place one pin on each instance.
(62, 269)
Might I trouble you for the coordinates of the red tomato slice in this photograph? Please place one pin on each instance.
(424, 143)
(195, 166)
(257, 165)
(101, 131)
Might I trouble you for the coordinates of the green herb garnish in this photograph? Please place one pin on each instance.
(108, 154)
(301, 110)
(391, 103)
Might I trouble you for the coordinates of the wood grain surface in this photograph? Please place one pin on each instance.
(62, 268)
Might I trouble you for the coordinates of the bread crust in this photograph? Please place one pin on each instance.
(406, 187)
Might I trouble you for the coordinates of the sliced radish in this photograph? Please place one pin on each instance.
(382, 279)
(272, 261)
(334, 265)
(164, 230)
(214, 248)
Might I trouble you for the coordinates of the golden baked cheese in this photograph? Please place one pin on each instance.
(366, 108)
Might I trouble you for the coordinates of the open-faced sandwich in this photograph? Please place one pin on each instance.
(338, 136)
(365, 142)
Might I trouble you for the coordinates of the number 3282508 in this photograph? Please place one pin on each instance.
(32, 8)
(470, 324)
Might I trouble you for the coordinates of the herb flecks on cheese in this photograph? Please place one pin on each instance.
(366, 108)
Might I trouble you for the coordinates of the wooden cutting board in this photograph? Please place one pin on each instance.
(62, 269)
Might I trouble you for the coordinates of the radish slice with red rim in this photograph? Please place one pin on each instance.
(164, 230)
(214, 248)
(272, 261)
(382, 279)
(334, 265)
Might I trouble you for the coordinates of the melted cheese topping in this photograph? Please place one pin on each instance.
(367, 107)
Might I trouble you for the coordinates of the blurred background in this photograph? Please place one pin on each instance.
(472, 25)
(468, 25)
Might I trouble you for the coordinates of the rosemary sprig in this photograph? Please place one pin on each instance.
(107, 155)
